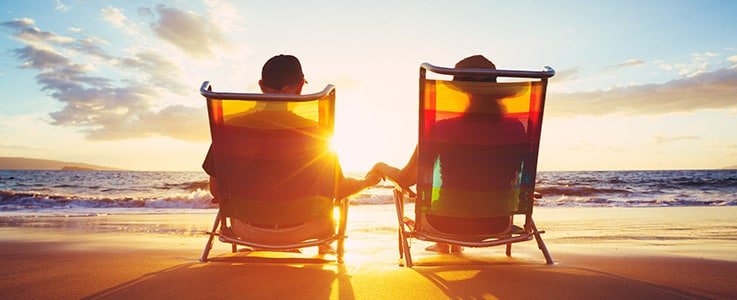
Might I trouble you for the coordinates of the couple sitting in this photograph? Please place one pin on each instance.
(282, 74)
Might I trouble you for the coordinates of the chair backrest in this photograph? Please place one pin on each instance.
(273, 163)
(478, 142)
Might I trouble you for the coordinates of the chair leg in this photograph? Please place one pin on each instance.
(210, 240)
(342, 224)
(541, 244)
(399, 242)
(509, 249)
(399, 200)
(405, 247)
(340, 251)
(404, 254)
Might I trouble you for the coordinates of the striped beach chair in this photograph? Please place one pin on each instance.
(274, 171)
(477, 160)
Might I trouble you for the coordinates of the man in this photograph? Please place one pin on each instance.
(307, 170)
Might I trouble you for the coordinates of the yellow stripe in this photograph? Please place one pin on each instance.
(455, 94)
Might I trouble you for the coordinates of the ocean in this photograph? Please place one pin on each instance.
(88, 193)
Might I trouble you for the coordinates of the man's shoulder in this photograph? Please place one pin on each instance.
(271, 119)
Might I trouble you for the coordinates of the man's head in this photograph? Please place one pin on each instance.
(475, 62)
(282, 74)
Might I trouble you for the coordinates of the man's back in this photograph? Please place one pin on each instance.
(275, 155)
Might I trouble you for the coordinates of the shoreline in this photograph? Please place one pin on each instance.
(609, 253)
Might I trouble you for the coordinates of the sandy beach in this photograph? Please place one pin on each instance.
(600, 253)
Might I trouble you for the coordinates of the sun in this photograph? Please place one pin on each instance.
(367, 132)
(353, 149)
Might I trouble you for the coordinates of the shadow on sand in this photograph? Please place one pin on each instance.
(473, 277)
(465, 276)
(240, 276)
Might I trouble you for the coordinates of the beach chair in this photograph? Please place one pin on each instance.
(274, 171)
(477, 160)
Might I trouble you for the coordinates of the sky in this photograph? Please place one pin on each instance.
(639, 85)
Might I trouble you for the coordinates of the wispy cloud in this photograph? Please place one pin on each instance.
(35, 58)
(706, 90)
(156, 69)
(659, 140)
(61, 6)
(106, 108)
(118, 19)
(566, 75)
(192, 33)
(114, 16)
(699, 64)
(627, 64)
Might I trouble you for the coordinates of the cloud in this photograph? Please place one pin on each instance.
(632, 63)
(189, 32)
(145, 12)
(566, 75)
(30, 34)
(158, 70)
(626, 64)
(699, 64)
(19, 23)
(119, 20)
(61, 6)
(90, 46)
(669, 139)
(175, 121)
(101, 107)
(47, 40)
(114, 16)
(708, 90)
(228, 16)
(35, 58)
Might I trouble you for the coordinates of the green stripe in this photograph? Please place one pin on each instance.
(464, 203)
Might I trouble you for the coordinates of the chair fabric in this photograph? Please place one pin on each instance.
(271, 162)
(477, 158)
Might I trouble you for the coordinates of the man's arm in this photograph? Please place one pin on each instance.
(404, 177)
(350, 186)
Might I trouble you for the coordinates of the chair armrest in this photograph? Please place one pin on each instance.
(401, 188)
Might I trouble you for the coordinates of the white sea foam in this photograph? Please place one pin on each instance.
(82, 193)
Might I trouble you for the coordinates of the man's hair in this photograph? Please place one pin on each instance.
(475, 62)
(280, 71)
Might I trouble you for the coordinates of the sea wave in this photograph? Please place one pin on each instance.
(14, 201)
(198, 199)
(565, 201)
(581, 191)
(154, 191)
(187, 186)
(201, 199)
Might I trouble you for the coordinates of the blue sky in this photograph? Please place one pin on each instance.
(639, 84)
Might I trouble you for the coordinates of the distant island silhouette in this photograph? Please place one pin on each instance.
(23, 163)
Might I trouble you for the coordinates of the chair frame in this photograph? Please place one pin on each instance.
(221, 220)
(527, 233)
